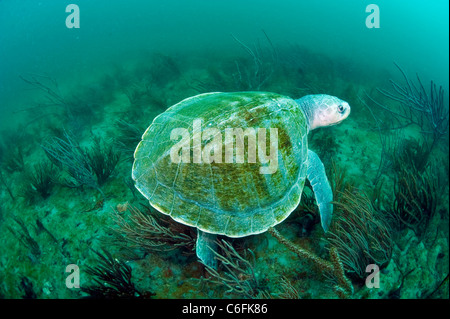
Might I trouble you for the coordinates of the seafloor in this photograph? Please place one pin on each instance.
(389, 177)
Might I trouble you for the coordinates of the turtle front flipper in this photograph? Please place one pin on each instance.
(206, 244)
(321, 187)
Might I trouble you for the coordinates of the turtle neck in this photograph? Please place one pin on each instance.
(306, 106)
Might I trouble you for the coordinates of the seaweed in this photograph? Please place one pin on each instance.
(143, 94)
(4, 181)
(41, 179)
(288, 290)
(51, 89)
(164, 69)
(66, 153)
(415, 198)
(333, 269)
(417, 106)
(216, 81)
(308, 201)
(93, 96)
(112, 279)
(27, 287)
(41, 228)
(129, 182)
(26, 239)
(238, 276)
(389, 145)
(254, 73)
(308, 211)
(14, 160)
(324, 144)
(76, 110)
(128, 136)
(90, 167)
(411, 153)
(54, 99)
(143, 231)
(360, 234)
(102, 159)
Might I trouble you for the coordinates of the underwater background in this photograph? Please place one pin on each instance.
(74, 103)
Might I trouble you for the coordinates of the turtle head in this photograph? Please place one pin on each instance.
(323, 110)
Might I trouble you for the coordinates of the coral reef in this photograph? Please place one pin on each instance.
(393, 175)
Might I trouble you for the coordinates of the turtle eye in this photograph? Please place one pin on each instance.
(340, 108)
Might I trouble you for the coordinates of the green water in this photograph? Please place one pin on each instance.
(104, 82)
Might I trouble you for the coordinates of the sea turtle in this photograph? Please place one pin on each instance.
(184, 170)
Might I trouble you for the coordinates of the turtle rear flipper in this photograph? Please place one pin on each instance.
(321, 187)
(206, 244)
